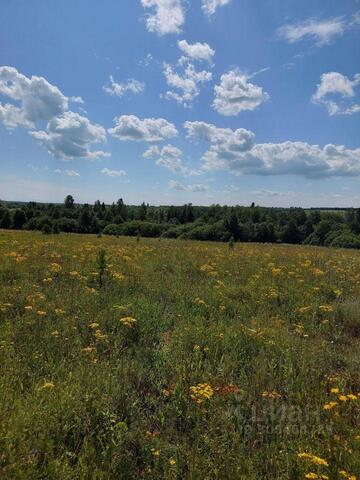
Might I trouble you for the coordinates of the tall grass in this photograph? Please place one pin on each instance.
(165, 359)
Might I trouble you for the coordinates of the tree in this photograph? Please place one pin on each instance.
(6, 220)
(19, 219)
(291, 233)
(232, 224)
(69, 201)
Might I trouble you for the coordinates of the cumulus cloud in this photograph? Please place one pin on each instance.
(196, 51)
(323, 32)
(222, 139)
(236, 152)
(119, 89)
(38, 100)
(168, 157)
(112, 173)
(70, 136)
(175, 185)
(185, 86)
(210, 6)
(235, 94)
(168, 16)
(42, 108)
(132, 128)
(333, 91)
(68, 173)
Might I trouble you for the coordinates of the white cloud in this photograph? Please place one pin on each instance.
(175, 185)
(71, 136)
(334, 86)
(119, 89)
(236, 152)
(222, 139)
(197, 51)
(323, 32)
(168, 157)
(168, 16)
(130, 127)
(210, 6)
(38, 99)
(272, 193)
(112, 173)
(236, 94)
(68, 173)
(185, 87)
(67, 134)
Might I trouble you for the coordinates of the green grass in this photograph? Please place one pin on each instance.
(270, 330)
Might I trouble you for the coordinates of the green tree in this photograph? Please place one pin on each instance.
(19, 219)
(69, 201)
(5, 220)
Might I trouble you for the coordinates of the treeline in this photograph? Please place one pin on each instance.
(339, 228)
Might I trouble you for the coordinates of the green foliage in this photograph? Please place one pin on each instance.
(213, 223)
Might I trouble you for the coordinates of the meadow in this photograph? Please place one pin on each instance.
(125, 358)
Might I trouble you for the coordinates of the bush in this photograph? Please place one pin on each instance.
(346, 240)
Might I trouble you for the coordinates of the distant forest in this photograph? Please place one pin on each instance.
(335, 228)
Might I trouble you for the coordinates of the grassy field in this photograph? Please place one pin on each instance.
(160, 359)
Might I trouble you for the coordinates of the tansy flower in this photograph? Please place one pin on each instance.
(201, 392)
(128, 321)
(313, 459)
(47, 386)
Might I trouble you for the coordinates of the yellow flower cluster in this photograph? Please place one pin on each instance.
(128, 321)
(313, 459)
(347, 475)
(201, 392)
(272, 394)
(315, 476)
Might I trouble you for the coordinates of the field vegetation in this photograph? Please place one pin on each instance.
(132, 358)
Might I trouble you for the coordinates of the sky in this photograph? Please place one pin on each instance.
(179, 101)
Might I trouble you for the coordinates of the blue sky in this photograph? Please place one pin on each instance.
(176, 101)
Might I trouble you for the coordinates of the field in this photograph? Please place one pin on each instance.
(160, 359)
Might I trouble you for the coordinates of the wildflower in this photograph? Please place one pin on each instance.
(330, 406)
(334, 390)
(313, 459)
(343, 398)
(55, 333)
(128, 321)
(326, 308)
(347, 475)
(94, 325)
(199, 301)
(74, 273)
(172, 461)
(351, 396)
(47, 386)
(55, 267)
(155, 453)
(314, 476)
(88, 350)
(100, 336)
(28, 307)
(201, 392)
(272, 394)
(41, 313)
(59, 311)
(118, 276)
